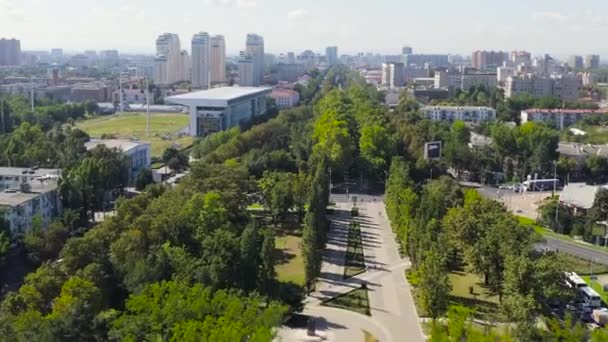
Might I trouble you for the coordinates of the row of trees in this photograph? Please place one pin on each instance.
(443, 228)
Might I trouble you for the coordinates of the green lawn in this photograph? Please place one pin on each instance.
(355, 259)
(597, 287)
(582, 266)
(163, 128)
(595, 135)
(484, 303)
(355, 300)
(290, 266)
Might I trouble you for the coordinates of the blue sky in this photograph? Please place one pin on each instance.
(560, 27)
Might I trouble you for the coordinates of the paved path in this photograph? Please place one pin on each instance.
(393, 315)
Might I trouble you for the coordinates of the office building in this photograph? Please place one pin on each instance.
(109, 58)
(29, 193)
(10, 52)
(137, 153)
(218, 109)
(285, 98)
(575, 62)
(201, 54)
(488, 59)
(168, 62)
(217, 61)
(592, 61)
(560, 118)
(406, 50)
(246, 70)
(331, 55)
(255, 48)
(421, 61)
(564, 87)
(392, 75)
(289, 72)
(144, 71)
(454, 113)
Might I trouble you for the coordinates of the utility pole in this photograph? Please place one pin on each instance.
(147, 108)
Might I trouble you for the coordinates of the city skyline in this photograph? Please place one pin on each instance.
(543, 27)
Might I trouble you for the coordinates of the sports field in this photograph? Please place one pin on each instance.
(164, 129)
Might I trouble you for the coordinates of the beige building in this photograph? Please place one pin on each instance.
(564, 87)
(217, 62)
(393, 75)
(169, 60)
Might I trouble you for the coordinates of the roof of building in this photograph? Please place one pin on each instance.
(34, 172)
(12, 198)
(456, 108)
(575, 149)
(579, 195)
(123, 145)
(280, 92)
(479, 140)
(221, 94)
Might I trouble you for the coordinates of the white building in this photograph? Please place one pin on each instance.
(255, 47)
(444, 79)
(331, 55)
(393, 75)
(221, 108)
(185, 66)
(137, 152)
(169, 61)
(454, 113)
(561, 118)
(217, 61)
(504, 72)
(29, 193)
(201, 54)
(246, 70)
(285, 98)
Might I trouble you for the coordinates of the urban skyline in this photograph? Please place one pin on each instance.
(543, 27)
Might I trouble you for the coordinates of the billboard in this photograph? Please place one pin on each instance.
(432, 150)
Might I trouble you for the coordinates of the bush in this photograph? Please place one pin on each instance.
(354, 211)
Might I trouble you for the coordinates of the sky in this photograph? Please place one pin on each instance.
(558, 27)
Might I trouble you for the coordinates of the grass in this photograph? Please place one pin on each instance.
(133, 125)
(356, 300)
(597, 287)
(290, 265)
(368, 337)
(582, 266)
(483, 303)
(595, 135)
(355, 259)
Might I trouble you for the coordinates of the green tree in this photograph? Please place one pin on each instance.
(435, 284)
(143, 179)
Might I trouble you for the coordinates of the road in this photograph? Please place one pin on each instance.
(526, 205)
(393, 315)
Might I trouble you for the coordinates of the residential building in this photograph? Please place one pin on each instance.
(488, 59)
(285, 98)
(169, 60)
(27, 194)
(426, 94)
(331, 55)
(421, 60)
(201, 54)
(56, 55)
(109, 58)
(521, 57)
(144, 71)
(445, 79)
(592, 61)
(406, 50)
(575, 62)
(289, 72)
(185, 66)
(246, 70)
(411, 72)
(218, 109)
(94, 91)
(217, 61)
(255, 48)
(504, 72)
(137, 152)
(392, 75)
(454, 113)
(564, 87)
(560, 118)
(579, 196)
(10, 52)
(308, 59)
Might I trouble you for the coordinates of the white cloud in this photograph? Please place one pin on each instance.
(297, 14)
(237, 3)
(553, 16)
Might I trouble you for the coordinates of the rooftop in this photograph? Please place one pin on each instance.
(221, 93)
(123, 145)
(579, 195)
(15, 197)
(455, 108)
(567, 111)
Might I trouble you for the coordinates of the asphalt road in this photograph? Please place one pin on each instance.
(522, 205)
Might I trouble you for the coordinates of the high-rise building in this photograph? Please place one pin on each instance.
(291, 58)
(255, 48)
(564, 87)
(10, 52)
(217, 63)
(592, 61)
(484, 59)
(407, 50)
(186, 66)
(169, 60)
(422, 60)
(109, 58)
(521, 57)
(575, 62)
(392, 74)
(331, 55)
(201, 54)
(246, 69)
(57, 55)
